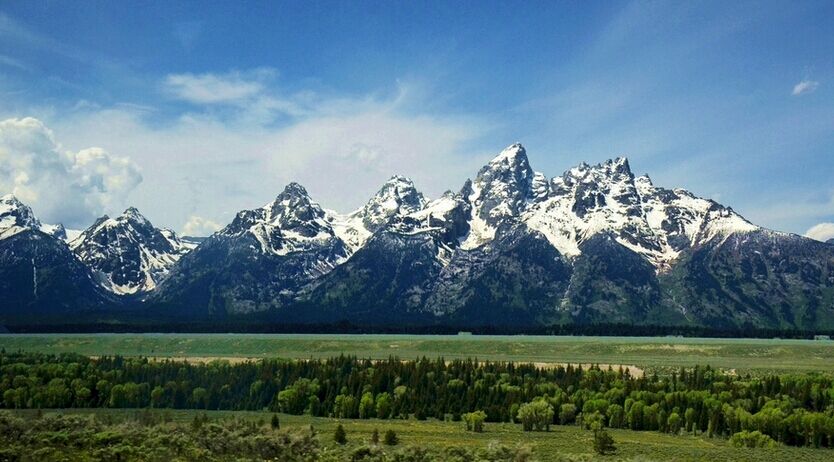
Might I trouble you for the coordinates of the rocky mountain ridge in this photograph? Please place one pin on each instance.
(512, 247)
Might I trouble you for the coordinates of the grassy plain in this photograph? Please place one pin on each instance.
(649, 353)
(551, 446)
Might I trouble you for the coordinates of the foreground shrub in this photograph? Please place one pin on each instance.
(475, 421)
(536, 415)
(754, 439)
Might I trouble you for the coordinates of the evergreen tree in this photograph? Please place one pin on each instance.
(603, 443)
(391, 438)
(339, 436)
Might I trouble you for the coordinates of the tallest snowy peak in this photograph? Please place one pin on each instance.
(133, 214)
(511, 163)
(500, 192)
(617, 165)
(9, 199)
(294, 189)
(513, 154)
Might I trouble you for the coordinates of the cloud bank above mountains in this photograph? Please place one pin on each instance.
(67, 187)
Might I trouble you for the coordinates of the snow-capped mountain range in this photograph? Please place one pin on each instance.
(596, 243)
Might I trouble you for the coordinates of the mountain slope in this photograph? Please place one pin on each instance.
(760, 279)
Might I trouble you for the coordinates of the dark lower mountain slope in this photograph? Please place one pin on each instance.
(231, 276)
(385, 282)
(611, 283)
(41, 279)
(759, 279)
(517, 280)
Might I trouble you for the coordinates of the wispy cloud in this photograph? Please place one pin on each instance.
(253, 92)
(804, 87)
(232, 87)
(11, 62)
(821, 232)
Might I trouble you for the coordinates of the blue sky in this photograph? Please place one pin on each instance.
(206, 108)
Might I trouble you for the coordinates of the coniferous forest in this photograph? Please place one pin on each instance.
(795, 410)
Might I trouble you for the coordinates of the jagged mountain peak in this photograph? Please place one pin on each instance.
(16, 214)
(402, 189)
(293, 209)
(10, 199)
(133, 214)
(292, 223)
(127, 254)
(397, 196)
(643, 181)
(617, 169)
(501, 191)
(510, 162)
(15, 217)
(513, 154)
(131, 221)
(654, 222)
(294, 189)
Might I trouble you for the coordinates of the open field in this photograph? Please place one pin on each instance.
(546, 446)
(649, 353)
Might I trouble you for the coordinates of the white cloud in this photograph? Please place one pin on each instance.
(821, 232)
(805, 86)
(199, 227)
(61, 186)
(210, 88)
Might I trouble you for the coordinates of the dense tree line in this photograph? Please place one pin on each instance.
(789, 409)
(265, 326)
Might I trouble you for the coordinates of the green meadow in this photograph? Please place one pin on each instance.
(647, 353)
(561, 443)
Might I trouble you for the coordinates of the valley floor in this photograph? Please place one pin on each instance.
(642, 354)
